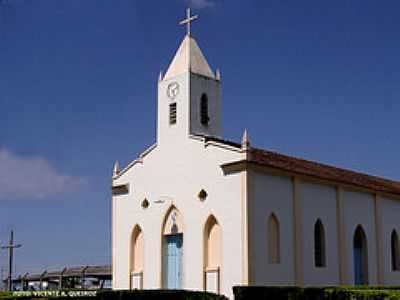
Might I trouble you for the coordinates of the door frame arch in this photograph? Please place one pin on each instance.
(181, 229)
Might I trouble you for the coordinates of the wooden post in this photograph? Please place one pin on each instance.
(24, 282)
(60, 283)
(41, 280)
(83, 279)
(10, 247)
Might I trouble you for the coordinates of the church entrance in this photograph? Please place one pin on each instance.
(173, 251)
(360, 257)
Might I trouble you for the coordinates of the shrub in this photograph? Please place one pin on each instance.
(113, 295)
(158, 295)
(316, 293)
(363, 293)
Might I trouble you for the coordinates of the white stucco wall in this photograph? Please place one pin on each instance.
(270, 194)
(319, 202)
(176, 184)
(175, 173)
(274, 194)
(391, 220)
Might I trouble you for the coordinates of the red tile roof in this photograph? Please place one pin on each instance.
(314, 169)
(321, 171)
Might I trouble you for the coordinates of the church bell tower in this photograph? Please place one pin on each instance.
(189, 94)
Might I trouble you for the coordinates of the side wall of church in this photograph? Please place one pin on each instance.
(275, 193)
(359, 209)
(318, 202)
(172, 175)
(270, 195)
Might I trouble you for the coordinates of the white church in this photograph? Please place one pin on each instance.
(197, 212)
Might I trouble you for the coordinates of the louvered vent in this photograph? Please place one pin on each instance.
(172, 113)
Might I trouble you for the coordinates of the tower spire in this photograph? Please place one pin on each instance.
(189, 94)
(188, 21)
(188, 57)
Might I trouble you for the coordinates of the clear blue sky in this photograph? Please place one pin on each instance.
(315, 79)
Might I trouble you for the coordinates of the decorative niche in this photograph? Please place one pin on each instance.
(202, 195)
(145, 203)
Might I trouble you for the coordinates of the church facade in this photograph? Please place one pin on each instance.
(198, 212)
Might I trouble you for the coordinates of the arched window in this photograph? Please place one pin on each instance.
(360, 257)
(319, 244)
(136, 258)
(212, 255)
(204, 117)
(274, 255)
(395, 251)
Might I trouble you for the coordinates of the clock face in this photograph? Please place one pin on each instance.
(173, 90)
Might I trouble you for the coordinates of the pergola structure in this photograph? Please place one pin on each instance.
(83, 277)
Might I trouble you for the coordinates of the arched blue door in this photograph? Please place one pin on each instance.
(172, 260)
(360, 256)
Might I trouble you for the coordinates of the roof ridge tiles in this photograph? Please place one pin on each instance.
(323, 171)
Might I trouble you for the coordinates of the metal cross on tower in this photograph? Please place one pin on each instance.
(188, 21)
(10, 247)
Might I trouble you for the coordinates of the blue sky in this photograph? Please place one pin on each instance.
(315, 79)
